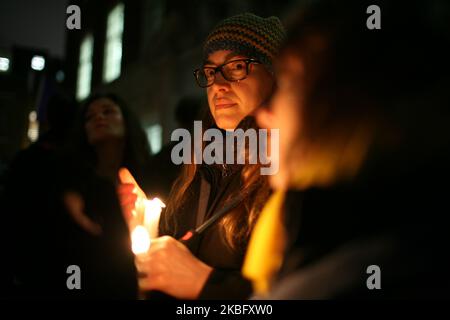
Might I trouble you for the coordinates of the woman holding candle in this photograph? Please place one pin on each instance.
(238, 79)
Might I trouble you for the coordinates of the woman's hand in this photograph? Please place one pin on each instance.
(171, 268)
(127, 199)
(128, 191)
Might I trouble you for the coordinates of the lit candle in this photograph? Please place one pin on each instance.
(143, 233)
(152, 215)
(140, 241)
(145, 223)
(145, 216)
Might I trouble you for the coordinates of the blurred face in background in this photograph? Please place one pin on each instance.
(104, 122)
(232, 101)
(321, 141)
(284, 113)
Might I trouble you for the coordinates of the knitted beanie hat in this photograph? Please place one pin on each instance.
(249, 35)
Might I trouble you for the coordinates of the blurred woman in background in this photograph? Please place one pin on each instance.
(107, 137)
(78, 219)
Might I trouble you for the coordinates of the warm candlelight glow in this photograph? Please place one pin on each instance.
(148, 213)
(140, 240)
(152, 214)
(144, 223)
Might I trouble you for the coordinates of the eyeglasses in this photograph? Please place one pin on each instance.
(234, 70)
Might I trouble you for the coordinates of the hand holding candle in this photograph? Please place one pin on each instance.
(155, 256)
(130, 194)
(142, 214)
(171, 268)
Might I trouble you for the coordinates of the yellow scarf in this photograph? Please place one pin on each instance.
(266, 247)
(340, 159)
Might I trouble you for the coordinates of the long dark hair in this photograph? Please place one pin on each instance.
(238, 224)
(136, 155)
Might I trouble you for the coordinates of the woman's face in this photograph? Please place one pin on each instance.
(104, 122)
(230, 102)
(284, 113)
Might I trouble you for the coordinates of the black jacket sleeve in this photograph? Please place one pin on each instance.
(224, 284)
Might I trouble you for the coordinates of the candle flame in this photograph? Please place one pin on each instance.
(141, 234)
(140, 240)
(144, 221)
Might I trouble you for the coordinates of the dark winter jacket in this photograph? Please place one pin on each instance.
(394, 220)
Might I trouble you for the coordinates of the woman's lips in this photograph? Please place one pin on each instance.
(100, 125)
(224, 105)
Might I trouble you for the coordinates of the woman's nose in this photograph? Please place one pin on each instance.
(220, 83)
(99, 116)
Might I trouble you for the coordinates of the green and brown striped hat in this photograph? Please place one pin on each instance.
(249, 35)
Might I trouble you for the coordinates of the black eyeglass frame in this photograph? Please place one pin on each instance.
(247, 61)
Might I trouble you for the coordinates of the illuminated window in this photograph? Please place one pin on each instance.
(4, 64)
(113, 49)
(85, 67)
(38, 63)
(154, 135)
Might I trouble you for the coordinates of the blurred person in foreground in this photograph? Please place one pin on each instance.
(363, 117)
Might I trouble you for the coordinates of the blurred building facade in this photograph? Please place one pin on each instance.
(27, 76)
